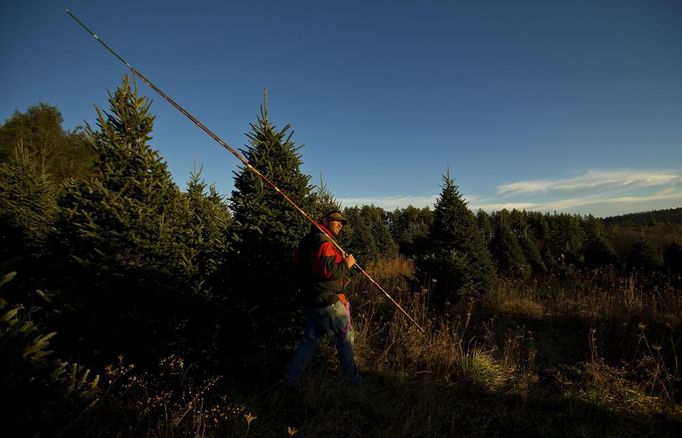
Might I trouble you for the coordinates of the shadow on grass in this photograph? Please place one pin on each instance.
(406, 406)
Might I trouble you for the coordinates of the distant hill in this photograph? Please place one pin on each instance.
(670, 216)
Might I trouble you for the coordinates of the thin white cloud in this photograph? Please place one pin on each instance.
(664, 195)
(592, 179)
(591, 200)
(496, 206)
(391, 202)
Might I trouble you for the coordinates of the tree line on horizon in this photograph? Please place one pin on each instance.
(100, 245)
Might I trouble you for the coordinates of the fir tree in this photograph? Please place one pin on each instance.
(566, 239)
(265, 222)
(132, 210)
(267, 231)
(367, 235)
(208, 236)
(525, 237)
(458, 260)
(208, 226)
(378, 219)
(410, 229)
(41, 395)
(598, 253)
(124, 229)
(485, 227)
(28, 200)
(505, 249)
(357, 236)
(27, 215)
(644, 257)
(593, 228)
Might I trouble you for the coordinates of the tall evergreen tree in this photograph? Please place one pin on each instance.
(644, 257)
(208, 228)
(566, 239)
(357, 236)
(367, 234)
(268, 231)
(527, 240)
(208, 234)
(28, 200)
(485, 227)
(597, 250)
(598, 253)
(262, 215)
(378, 219)
(458, 260)
(124, 229)
(505, 249)
(410, 229)
(132, 209)
(593, 228)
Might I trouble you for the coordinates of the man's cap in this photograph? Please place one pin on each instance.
(336, 215)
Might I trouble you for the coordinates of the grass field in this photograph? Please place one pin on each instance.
(584, 355)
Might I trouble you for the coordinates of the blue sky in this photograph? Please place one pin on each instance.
(573, 106)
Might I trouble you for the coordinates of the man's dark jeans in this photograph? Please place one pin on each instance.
(334, 321)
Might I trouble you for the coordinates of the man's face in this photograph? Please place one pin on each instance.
(335, 227)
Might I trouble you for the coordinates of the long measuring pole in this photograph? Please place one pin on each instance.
(241, 158)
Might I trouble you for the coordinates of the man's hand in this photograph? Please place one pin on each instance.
(350, 260)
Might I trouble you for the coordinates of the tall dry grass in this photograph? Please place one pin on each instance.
(603, 293)
(630, 325)
(448, 350)
(480, 368)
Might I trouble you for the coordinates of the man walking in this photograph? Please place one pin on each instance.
(323, 271)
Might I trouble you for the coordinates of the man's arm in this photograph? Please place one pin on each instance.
(331, 269)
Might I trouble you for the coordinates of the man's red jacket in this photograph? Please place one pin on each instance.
(322, 269)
